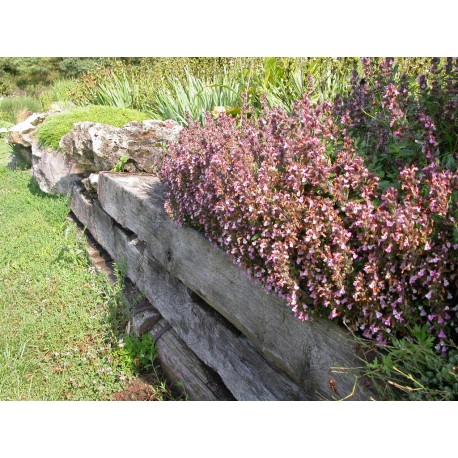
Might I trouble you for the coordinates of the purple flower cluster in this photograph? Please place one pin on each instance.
(401, 119)
(290, 199)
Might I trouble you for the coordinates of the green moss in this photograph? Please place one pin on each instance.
(56, 126)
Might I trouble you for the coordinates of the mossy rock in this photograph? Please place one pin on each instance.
(56, 126)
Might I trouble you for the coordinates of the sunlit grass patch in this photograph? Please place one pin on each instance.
(62, 324)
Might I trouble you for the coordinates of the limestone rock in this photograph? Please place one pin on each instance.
(22, 133)
(99, 147)
(54, 172)
(91, 183)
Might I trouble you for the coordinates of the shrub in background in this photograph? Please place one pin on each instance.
(288, 196)
(195, 97)
(134, 82)
(119, 85)
(31, 75)
(168, 88)
(60, 91)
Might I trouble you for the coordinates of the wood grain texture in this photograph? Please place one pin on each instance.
(306, 351)
(241, 366)
(184, 370)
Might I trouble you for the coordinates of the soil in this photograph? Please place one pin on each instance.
(138, 390)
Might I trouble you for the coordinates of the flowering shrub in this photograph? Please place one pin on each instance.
(290, 199)
(400, 120)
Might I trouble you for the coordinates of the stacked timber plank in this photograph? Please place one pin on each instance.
(238, 330)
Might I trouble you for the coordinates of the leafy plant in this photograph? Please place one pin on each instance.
(119, 167)
(141, 351)
(290, 199)
(398, 117)
(60, 91)
(411, 369)
(5, 125)
(284, 80)
(32, 75)
(195, 97)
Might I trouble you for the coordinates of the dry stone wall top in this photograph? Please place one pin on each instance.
(96, 147)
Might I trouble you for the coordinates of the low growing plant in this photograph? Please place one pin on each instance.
(141, 352)
(119, 167)
(411, 369)
(398, 116)
(56, 126)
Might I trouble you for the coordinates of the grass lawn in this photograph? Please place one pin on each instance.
(61, 323)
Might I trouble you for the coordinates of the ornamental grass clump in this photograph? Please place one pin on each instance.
(290, 199)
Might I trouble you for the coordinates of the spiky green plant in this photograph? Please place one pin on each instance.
(60, 91)
(196, 96)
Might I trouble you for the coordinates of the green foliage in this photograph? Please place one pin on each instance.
(119, 167)
(5, 125)
(168, 88)
(127, 87)
(56, 126)
(196, 97)
(33, 74)
(139, 353)
(60, 91)
(11, 107)
(132, 82)
(412, 369)
(284, 80)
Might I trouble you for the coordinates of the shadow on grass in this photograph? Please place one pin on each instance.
(15, 159)
(35, 190)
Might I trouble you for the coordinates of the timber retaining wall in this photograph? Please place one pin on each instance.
(217, 330)
(243, 333)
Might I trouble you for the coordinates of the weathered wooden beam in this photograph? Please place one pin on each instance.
(183, 369)
(306, 351)
(242, 367)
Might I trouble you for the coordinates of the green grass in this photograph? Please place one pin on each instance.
(56, 126)
(11, 107)
(5, 124)
(62, 324)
